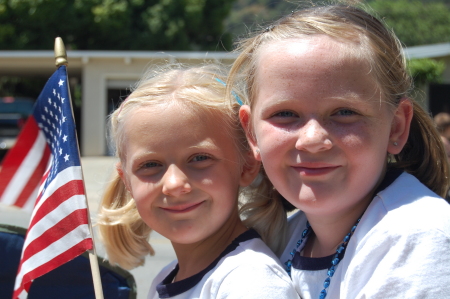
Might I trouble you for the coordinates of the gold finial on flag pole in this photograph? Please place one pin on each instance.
(60, 52)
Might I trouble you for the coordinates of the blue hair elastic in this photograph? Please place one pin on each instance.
(235, 95)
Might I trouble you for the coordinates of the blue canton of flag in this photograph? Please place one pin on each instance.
(54, 118)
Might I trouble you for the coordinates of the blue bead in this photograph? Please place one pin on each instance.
(340, 249)
(353, 229)
(326, 283)
(305, 232)
(331, 271)
(335, 261)
(347, 237)
(323, 294)
(288, 263)
(299, 242)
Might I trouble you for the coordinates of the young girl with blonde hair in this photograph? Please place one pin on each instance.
(183, 160)
(330, 117)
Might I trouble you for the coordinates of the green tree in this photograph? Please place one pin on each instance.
(115, 24)
(426, 71)
(415, 22)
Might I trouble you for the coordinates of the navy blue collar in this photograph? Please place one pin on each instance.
(167, 289)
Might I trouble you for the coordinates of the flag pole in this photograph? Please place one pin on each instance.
(61, 59)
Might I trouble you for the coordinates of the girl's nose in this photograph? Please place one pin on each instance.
(313, 137)
(175, 182)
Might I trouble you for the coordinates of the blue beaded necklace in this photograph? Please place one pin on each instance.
(334, 262)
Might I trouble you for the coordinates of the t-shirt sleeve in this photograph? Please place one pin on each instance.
(257, 281)
(412, 265)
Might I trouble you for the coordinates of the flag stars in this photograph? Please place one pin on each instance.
(54, 105)
(61, 82)
(62, 100)
(64, 138)
(63, 119)
(49, 101)
(54, 92)
(60, 151)
(66, 158)
(46, 109)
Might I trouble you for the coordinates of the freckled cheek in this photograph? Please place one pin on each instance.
(271, 138)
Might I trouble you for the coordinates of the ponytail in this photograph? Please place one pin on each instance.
(423, 155)
(264, 212)
(123, 232)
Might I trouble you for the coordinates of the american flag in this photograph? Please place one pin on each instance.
(43, 170)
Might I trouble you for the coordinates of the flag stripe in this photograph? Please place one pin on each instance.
(17, 154)
(65, 176)
(29, 204)
(29, 191)
(53, 234)
(63, 255)
(51, 219)
(62, 194)
(20, 178)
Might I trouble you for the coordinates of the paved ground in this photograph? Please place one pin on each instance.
(97, 171)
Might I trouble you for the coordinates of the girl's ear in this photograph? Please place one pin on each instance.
(122, 175)
(245, 118)
(400, 126)
(250, 170)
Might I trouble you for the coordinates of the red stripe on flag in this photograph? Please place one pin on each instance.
(56, 232)
(63, 193)
(57, 261)
(34, 180)
(17, 154)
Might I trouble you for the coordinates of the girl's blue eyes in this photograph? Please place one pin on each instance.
(197, 158)
(200, 158)
(345, 112)
(341, 112)
(285, 114)
(151, 164)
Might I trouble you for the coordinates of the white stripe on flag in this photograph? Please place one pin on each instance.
(67, 175)
(52, 218)
(44, 256)
(29, 204)
(25, 171)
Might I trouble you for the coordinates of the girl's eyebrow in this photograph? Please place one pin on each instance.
(204, 145)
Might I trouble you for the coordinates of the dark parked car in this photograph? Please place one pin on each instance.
(14, 111)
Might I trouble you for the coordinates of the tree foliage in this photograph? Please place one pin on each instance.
(416, 22)
(115, 24)
(426, 71)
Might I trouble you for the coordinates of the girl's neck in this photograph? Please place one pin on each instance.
(193, 258)
(330, 231)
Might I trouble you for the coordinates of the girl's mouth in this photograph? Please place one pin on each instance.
(182, 208)
(311, 169)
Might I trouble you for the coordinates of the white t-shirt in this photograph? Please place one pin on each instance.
(246, 269)
(400, 249)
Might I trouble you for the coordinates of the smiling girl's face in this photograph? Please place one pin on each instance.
(319, 125)
(182, 170)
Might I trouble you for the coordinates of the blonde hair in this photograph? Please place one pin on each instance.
(202, 90)
(367, 38)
